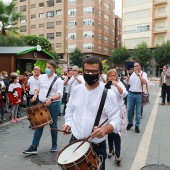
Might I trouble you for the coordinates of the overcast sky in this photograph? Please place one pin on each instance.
(118, 8)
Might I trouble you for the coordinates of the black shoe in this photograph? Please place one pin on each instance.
(30, 150)
(129, 126)
(54, 148)
(137, 129)
(117, 159)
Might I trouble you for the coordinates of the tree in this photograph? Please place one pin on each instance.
(120, 55)
(142, 54)
(76, 57)
(42, 64)
(8, 17)
(105, 66)
(161, 54)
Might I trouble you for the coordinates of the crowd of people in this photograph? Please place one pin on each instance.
(82, 93)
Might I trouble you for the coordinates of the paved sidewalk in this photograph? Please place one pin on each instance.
(150, 146)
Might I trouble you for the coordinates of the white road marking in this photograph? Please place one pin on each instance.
(142, 152)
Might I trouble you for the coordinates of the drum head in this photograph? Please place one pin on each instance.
(68, 156)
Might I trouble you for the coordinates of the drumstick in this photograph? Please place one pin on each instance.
(89, 136)
(60, 130)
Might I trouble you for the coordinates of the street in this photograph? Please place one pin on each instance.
(151, 146)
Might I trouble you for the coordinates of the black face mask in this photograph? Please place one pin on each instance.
(91, 78)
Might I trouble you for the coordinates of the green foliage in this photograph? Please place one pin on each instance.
(59, 71)
(33, 40)
(18, 72)
(142, 54)
(8, 16)
(76, 58)
(42, 64)
(161, 54)
(54, 54)
(120, 55)
(105, 66)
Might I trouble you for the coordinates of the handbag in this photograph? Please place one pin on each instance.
(145, 96)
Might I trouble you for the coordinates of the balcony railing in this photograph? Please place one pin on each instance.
(160, 16)
(160, 29)
(157, 2)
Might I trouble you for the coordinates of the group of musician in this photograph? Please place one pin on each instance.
(82, 95)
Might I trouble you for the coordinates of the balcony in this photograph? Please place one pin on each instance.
(160, 29)
(160, 2)
(160, 16)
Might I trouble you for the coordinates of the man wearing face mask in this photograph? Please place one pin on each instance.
(83, 106)
(6, 82)
(52, 102)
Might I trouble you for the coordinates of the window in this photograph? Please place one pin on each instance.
(23, 8)
(33, 16)
(59, 12)
(72, 12)
(106, 50)
(72, 36)
(88, 10)
(99, 37)
(100, 2)
(16, 9)
(58, 1)
(99, 25)
(106, 39)
(41, 15)
(22, 19)
(106, 28)
(58, 34)
(50, 3)
(41, 4)
(72, 47)
(100, 13)
(106, 17)
(88, 22)
(72, 2)
(58, 45)
(23, 29)
(50, 14)
(50, 36)
(33, 26)
(72, 23)
(22, 0)
(50, 25)
(99, 48)
(88, 46)
(106, 6)
(33, 6)
(41, 35)
(41, 25)
(88, 34)
(58, 23)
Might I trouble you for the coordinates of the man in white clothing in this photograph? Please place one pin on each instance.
(83, 106)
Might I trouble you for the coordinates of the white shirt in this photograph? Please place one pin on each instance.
(82, 109)
(119, 96)
(32, 82)
(104, 76)
(73, 82)
(13, 86)
(2, 83)
(135, 82)
(43, 85)
(67, 85)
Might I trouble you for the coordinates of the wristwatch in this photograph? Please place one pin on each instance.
(52, 99)
(138, 74)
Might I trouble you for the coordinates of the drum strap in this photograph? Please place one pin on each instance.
(49, 90)
(102, 102)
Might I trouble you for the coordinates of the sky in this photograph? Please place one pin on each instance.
(118, 7)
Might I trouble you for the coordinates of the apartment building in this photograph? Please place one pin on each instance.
(145, 20)
(118, 31)
(86, 24)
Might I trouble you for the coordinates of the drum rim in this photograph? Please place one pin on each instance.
(35, 106)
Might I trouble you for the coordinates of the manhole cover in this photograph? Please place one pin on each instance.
(45, 158)
(156, 167)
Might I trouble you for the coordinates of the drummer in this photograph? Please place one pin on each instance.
(83, 106)
(52, 102)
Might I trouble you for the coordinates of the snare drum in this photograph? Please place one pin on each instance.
(38, 115)
(83, 158)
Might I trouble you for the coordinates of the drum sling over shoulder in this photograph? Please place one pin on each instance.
(49, 90)
(102, 102)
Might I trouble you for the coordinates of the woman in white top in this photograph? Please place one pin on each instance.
(119, 89)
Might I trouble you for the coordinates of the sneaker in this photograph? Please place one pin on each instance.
(17, 119)
(30, 150)
(129, 126)
(110, 154)
(117, 159)
(54, 148)
(13, 121)
(137, 129)
(162, 103)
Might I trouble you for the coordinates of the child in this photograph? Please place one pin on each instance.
(2, 104)
(14, 93)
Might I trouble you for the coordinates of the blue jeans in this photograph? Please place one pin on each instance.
(132, 101)
(54, 111)
(114, 138)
